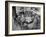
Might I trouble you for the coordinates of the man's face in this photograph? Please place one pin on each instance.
(29, 16)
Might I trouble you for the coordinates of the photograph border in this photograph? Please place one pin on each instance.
(6, 18)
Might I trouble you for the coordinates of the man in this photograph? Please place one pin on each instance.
(26, 20)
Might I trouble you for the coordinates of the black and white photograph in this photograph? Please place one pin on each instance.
(23, 18)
